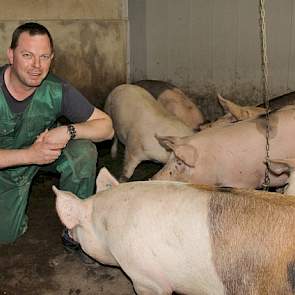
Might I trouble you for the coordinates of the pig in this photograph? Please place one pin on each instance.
(175, 101)
(233, 113)
(137, 118)
(190, 239)
(232, 155)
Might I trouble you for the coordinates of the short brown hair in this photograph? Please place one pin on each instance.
(33, 29)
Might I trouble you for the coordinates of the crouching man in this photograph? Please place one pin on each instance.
(31, 101)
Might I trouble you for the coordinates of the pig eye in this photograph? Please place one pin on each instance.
(178, 162)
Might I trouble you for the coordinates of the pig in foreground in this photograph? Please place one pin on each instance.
(173, 236)
(232, 155)
(137, 118)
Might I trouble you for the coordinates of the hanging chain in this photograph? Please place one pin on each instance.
(265, 88)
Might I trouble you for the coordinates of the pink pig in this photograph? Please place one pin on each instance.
(232, 155)
(189, 239)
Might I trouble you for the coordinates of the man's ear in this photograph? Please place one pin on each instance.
(10, 55)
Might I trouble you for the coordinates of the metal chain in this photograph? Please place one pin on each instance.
(265, 88)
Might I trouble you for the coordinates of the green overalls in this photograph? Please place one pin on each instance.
(77, 163)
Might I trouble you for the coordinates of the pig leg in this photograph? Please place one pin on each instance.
(114, 148)
(148, 287)
(145, 291)
(147, 276)
(131, 161)
(134, 154)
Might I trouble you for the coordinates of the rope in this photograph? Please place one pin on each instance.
(265, 88)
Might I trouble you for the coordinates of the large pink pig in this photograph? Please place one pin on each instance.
(137, 118)
(232, 155)
(178, 237)
(175, 101)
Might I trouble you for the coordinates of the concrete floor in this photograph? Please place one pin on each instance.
(37, 264)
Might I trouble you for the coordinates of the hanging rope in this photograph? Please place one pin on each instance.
(265, 88)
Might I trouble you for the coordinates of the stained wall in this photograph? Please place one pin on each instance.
(207, 47)
(90, 39)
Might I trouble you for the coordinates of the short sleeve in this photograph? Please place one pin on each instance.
(75, 106)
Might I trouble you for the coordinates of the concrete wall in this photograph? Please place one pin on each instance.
(89, 36)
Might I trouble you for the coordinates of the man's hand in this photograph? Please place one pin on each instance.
(41, 152)
(58, 135)
(44, 152)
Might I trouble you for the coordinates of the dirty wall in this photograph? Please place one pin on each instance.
(212, 46)
(89, 35)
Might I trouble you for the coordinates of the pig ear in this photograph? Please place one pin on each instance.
(168, 142)
(105, 180)
(279, 166)
(238, 112)
(68, 207)
(184, 152)
(227, 105)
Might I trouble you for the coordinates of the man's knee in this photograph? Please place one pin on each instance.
(82, 157)
(78, 168)
(82, 148)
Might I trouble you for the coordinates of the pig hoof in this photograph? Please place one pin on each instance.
(123, 178)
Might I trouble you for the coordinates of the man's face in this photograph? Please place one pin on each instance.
(30, 60)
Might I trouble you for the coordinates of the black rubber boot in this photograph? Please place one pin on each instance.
(71, 246)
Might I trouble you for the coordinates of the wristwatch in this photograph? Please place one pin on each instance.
(72, 131)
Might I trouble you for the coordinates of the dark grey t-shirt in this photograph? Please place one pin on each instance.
(75, 107)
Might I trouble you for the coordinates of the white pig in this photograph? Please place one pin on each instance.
(175, 101)
(232, 155)
(137, 118)
(177, 237)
